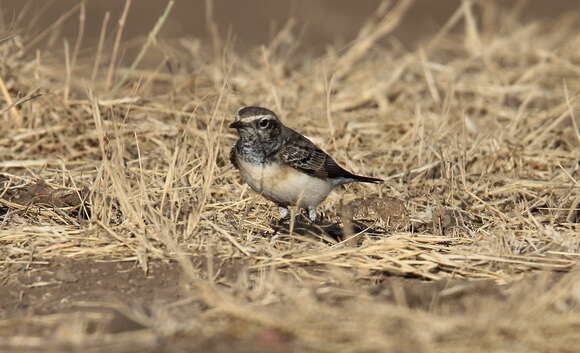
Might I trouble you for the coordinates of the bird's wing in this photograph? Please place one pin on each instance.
(233, 157)
(302, 154)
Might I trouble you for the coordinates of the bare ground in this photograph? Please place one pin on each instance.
(124, 228)
(109, 300)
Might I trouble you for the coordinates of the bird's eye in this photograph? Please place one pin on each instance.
(264, 123)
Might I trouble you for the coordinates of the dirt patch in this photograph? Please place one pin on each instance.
(118, 171)
(115, 305)
(61, 285)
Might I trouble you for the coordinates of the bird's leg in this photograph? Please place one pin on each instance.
(283, 216)
(278, 225)
(312, 213)
(283, 212)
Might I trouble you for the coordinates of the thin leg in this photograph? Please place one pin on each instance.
(279, 224)
(283, 212)
(312, 213)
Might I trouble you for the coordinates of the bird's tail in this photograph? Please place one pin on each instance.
(364, 179)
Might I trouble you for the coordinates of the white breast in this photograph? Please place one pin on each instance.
(285, 185)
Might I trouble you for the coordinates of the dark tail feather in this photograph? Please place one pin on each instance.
(364, 179)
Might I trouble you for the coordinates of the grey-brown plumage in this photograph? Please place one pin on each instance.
(302, 154)
(282, 165)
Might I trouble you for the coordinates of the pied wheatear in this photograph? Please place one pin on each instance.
(284, 166)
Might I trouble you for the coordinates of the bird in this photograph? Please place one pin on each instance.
(282, 165)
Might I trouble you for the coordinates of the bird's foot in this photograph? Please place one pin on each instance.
(284, 212)
(312, 214)
(279, 225)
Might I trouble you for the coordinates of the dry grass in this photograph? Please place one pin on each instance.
(476, 132)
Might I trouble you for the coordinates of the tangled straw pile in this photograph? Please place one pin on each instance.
(475, 132)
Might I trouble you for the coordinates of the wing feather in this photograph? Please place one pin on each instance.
(302, 154)
(233, 157)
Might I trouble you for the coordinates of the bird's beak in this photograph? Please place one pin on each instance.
(236, 124)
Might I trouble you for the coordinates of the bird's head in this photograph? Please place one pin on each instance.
(257, 123)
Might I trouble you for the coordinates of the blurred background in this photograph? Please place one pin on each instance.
(253, 22)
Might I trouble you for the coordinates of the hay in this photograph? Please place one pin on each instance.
(475, 133)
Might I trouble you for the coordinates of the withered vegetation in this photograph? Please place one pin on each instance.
(470, 244)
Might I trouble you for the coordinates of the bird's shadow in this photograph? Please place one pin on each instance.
(323, 230)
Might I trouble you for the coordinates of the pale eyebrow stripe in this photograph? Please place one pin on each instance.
(257, 117)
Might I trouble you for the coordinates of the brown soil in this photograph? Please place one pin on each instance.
(113, 298)
(125, 228)
(59, 285)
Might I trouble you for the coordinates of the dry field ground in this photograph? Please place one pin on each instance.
(124, 228)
